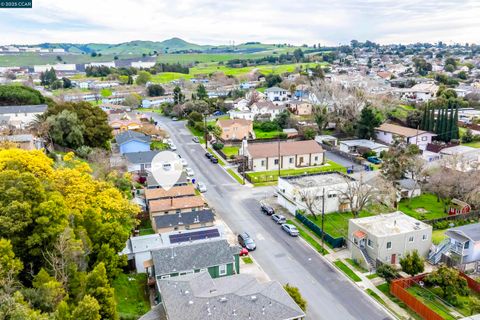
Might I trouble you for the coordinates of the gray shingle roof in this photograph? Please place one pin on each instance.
(471, 231)
(190, 256)
(152, 182)
(23, 109)
(130, 135)
(141, 157)
(184, 218)
(239, 296)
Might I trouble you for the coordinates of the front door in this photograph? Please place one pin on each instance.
(362, 243)
(394, 258)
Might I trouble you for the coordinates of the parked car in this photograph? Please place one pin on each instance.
(213, 159)
(246, 241)
(195, 139)
(201, 187)
(266, 209)
(174, 119)
(172, 146)
(278, 218)
(374, 160)
(244, 252)
(189, 172)
(184, 162)
(218, 113)
(290, 229)
(208, 155)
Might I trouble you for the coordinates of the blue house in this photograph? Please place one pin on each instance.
(131, 141)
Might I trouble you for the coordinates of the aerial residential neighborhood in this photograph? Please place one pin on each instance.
(258, 164)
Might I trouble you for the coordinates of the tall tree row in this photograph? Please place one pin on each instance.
(441, 121)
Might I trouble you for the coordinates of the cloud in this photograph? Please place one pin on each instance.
(216, 22)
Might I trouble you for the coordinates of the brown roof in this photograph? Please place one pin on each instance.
(230, 122)
(179, 191)
(176, 203)
(399, 130)
(263, 150)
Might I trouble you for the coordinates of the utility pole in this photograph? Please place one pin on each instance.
(323, 217)
(206, 130)
(244, 159)
(279, 156)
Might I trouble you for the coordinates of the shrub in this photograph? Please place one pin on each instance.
(387, 272)
(370, 153)
(83, 151)
(412, 263)
(218, 146)
(296, 296)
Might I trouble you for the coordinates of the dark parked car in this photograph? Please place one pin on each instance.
(208, 155)
(374, 160)
(267, 209)
(245, 241)
(213, 159)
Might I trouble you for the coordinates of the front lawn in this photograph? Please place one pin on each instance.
(145, 227)
(336, 224)
(260, 134)
(438, 236)
(265, 176)
(197, 133)
(247, 260)
(352, 275)
(424, 207)
(158, 145)
(474, 144)
(429, 299)
(131, 295)
(235, 176)
(230, 151)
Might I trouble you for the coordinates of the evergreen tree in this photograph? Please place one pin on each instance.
(425, 118)
(455, 130)
(448, 131)
(431, 122)
(98, 287)
(445, 124)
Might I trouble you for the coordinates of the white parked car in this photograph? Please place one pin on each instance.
(290, 229)
(184, 162)
(201, 187)
(172, 146)
(278, 218)
(189, 172)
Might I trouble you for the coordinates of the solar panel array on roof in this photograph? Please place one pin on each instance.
(196, 235)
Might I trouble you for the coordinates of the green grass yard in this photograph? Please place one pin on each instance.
(336, 224)
(235, 176)
(230, 151)
(423, 207)
(310, 239)
(266, 176)
(247, 260)
(474, 144)
(260, 134)
(385, 288)
(438, 236)
(356, 266)
(431, 301)
(131, 295)
(342, 266)
(158, 145)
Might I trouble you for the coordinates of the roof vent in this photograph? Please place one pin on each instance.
(223, 299)
(234, 313)
(190, 302)
(254, 298)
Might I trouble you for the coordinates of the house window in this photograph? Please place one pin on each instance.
(410, 239)
(165, 276)
(370, 243)
(467, 245)
(424, 237)
(263, 163)
(275, 161)
(316, 158)
(424, 138)
(389, 245)
(222, 269)
(291, 160)
(203, 270)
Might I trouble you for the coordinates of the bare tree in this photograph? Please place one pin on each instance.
(357, 193)
(311, 199)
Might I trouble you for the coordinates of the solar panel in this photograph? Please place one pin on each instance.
(195, 235)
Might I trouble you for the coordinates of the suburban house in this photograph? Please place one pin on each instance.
(266, 109)
(138, 248)
(152, 183)
(276, 94)
(24, 141)
(327, 139)
(198, 297)
(245, 115)
(460, 248)
(388, 132)
(132, 141)
(387, 238)
(300, 107)
(285, 154)
(235, 129)
(20, 117)
(461, 158)
(361, 146)
(176, 205)
(407, 188)
(125, 121)
(216, 256)
(186, 220)
(293, 190)
(174, 192)
(421, 92)
(140, 161)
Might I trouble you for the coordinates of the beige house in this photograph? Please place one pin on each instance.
(235, 129)
(389, 132)
(286, 155)
(387, 238)
(174, 192)
(300, 108)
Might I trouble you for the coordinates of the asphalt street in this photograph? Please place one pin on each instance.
(330, 295)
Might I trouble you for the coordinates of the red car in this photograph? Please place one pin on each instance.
(244, 252)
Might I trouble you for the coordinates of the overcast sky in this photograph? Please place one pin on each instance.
(328, 22)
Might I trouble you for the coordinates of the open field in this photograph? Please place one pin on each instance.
(230, 151)
(30, 59)
(131, 295)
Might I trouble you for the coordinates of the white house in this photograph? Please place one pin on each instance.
(293, 190)
(461, 158)
(360, 146)
(421, 92)
(140, 161)
(20, 116)
(143, 64)
(387, 238)
(266, 108)
(276, 94)
(109, 64)
(246, 115)
(388, 132)
(57, 67)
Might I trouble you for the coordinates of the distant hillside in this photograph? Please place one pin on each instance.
(173, 45)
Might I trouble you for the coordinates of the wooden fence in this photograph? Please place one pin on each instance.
(471, 215)
(398, 289)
